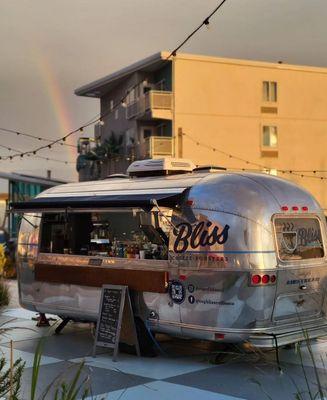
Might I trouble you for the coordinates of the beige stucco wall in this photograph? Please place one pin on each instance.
(218, 102)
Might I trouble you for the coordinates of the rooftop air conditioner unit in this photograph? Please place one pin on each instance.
(160, 166)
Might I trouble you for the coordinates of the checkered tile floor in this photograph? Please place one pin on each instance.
(185, 372)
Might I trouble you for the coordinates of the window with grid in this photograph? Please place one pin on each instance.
(269, 91)
(269, 136)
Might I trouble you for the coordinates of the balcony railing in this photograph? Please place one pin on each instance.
(154, 99)
(156, 146)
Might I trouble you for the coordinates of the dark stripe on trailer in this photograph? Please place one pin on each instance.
(140, 280)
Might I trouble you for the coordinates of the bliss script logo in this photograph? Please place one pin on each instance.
(198, 235)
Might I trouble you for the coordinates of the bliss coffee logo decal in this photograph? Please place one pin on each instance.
(177, 291)
(198, 235)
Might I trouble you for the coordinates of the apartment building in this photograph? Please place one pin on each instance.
(231, 113)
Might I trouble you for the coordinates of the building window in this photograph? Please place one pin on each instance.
(147, 132)
(269, 137)
(131, 96)
(130, 137)
(160, 85)
(269, 91)
(161, 130)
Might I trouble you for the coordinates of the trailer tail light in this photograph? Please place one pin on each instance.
(263, 280)
(219, 336)
(294, 208)
(256, 279)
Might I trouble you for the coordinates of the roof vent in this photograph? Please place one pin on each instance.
(209, 168)
(160, 166)
(117, 176)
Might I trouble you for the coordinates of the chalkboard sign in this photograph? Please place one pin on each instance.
(115, 320)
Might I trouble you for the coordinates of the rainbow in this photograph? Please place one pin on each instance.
(57, 101)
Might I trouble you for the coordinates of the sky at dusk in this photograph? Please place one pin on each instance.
(49, 48)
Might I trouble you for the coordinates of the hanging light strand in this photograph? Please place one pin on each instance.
(40, 138)
(300, 173)
(18, 152)
(99, 118)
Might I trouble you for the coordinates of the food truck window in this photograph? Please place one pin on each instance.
(28, 237)
(132, 233)
(298, 238)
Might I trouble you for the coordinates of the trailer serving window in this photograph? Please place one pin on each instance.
(298, 238)
(28, 237)
(123, 233)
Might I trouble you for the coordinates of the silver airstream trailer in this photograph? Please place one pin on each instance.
(206, 253)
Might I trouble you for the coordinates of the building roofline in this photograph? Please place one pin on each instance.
(90, 89)
(254, 63)
(13, 176)
(86, 90)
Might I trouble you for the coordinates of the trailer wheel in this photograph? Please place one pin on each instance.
(147, 346)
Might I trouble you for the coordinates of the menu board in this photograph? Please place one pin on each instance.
(109, 315)
(115, 317)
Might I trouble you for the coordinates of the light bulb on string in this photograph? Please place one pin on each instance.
(206, 22)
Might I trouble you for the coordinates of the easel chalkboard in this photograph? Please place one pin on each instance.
(116, 320)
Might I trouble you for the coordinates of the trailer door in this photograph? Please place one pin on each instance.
(302, 268)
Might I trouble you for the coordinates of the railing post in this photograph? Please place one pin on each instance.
(180, 142)
(151, 146)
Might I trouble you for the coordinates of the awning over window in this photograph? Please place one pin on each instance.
(128, 199)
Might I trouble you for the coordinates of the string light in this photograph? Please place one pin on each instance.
(261, 166)
(123, 99)
(18, 133)
(205, 22)
(21, 155)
